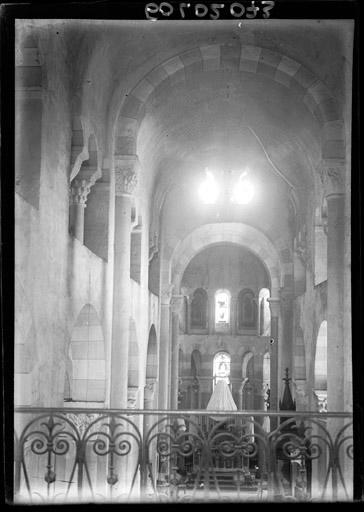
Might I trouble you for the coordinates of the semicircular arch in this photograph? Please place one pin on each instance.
(287, 72)
(236, 233)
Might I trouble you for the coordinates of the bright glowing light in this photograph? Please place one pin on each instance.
(243, 192)
(208, 190)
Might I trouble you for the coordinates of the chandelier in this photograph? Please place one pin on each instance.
(226, 189)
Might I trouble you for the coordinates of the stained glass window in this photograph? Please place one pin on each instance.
(222, 308)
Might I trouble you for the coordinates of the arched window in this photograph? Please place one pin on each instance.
(248, 372)
(247, 310)
(199, 309)
(221, 367)
(222, 308)
(264, 312)
(321, 367)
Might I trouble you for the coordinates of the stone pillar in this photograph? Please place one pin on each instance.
(125, 183)
(176, 307)
(286, 341)
(79, 190)
(149, 451)
(164, 349)
(335, 312)
(332, 175)
(130, 461)
(274, 304)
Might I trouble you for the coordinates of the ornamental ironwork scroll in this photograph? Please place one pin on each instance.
(132, 455)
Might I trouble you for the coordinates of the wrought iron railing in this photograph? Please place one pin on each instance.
(71, 455)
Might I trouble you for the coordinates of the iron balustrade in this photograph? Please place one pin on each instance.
(127, 455)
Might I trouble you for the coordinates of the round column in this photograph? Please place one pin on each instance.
(286, 342)
(79, 190)
(164, 349)
(125, 183)
(78, 197)
(274, 304)
(176, 307)
(335, 313)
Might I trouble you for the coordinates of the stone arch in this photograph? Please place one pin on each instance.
(247, 362)
(152, 355)
(283, 70)
(227, 232)
(86, 358)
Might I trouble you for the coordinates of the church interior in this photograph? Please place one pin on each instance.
(182, 239)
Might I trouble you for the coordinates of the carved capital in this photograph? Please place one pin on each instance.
(82, 184)
(274, 305)
(321, 397)
(132, 396)
(332, 174)
(149, 389)
(126, 174)
(176, 303)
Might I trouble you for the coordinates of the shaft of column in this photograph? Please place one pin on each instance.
(125, 183)
(174, 361)
(335, 282)
(286, 341)
(77, 220)
(273, 352)
(164, 356)
(121, 303)
(176, 307)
